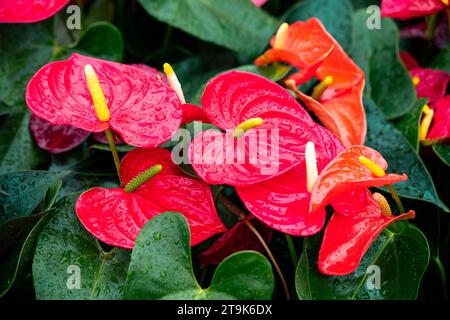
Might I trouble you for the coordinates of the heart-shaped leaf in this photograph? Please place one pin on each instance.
(337, 17)
(161, 267)
(409, 124)
(391, 269)
(401, 156)
(23, 191)
(102, 40)
(235, 24)
(69, 263)
(387, 81)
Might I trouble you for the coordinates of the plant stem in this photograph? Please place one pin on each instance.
(431, 26)
(236, 211)
(442, 275)
(292, 250)
(112, 146)
(396, 198)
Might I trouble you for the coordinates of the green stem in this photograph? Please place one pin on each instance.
(112, 146)
(396, 198)
(292, 250)
(442, 275)
(431, 26)
(237, 212)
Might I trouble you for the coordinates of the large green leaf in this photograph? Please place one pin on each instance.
(442, 62)
(161, 267)
(22, 233)
(401, 157)
(66, 250)
(17, 148)
(102, 40)
(24, 48)
(409, 124)
(337, 17)
(23, 191)
(443, 152)
(402, 258)
(388, 82)
(235, 24)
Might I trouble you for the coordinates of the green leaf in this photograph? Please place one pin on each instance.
(234, 24)
(23, 191)
(443, 152)
(388, 82)
(442, 62)
(402, 258)
(17, 149)
(23, 232)
(273, 72)
(101, 40)
(336, 16)
(100, 10)
(161, 267)
(401, 157)
(409, 124)
(24, 49)
(64, 247)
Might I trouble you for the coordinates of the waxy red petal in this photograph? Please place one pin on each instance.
(238, 238)
(306, 44)
(116, 217)
(432, 85)
(25, 11)
(191, 112)
(406, 9)
(342, 112)
(232, 98)
(440, 128)
(56, 138)
(409, 61)
(345, 173)
(347, 238)
(283, 202)
(145, 111)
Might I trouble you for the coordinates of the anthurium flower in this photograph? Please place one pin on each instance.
(56, 138)
(283, 201)
(97, 95)
(267, 131)
(440, 127)
(359, 216)
(259, 3)
(441, 37)
(152, 184)
(407, 9)
(25, 11)
(429, 83)
(337, 100)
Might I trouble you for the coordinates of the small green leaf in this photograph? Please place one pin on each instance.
(273, 72)
(23, 191)
(235, 24)
(336, 16)
(388, 83)
(443, 152)
(399, 259)
(66, 253)
(161, 267)
(17, 148)
(401, 157)
(101, 40)
(409, 124)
